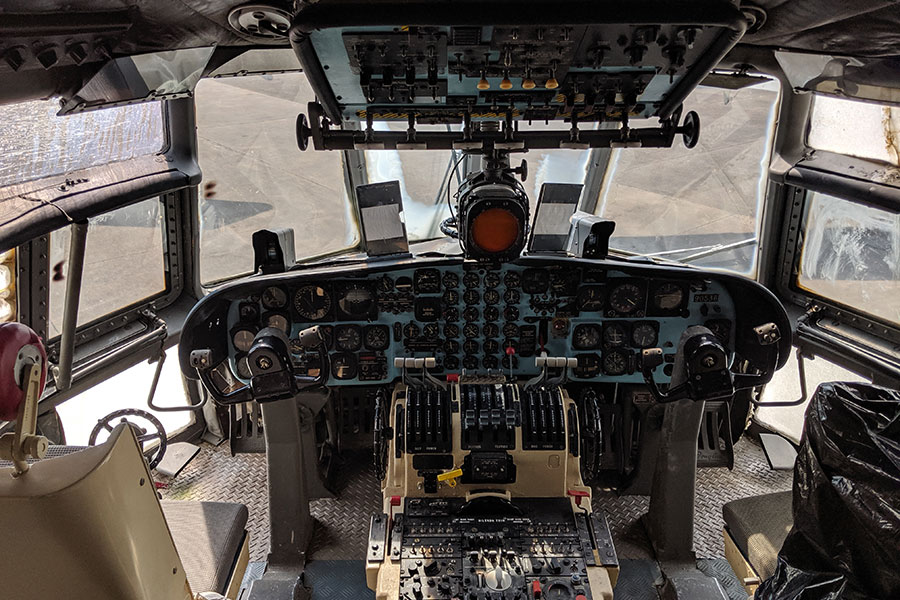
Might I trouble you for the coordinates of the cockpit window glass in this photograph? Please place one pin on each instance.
(851, 255)
(124, 263)
(36, 143)
(425, 174)
(699, 205)
(854, 128)
(254, 176)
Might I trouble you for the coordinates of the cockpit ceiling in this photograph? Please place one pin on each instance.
(61, 43)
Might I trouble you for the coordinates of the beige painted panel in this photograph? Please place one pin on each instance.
(88, 525)
(540, 474)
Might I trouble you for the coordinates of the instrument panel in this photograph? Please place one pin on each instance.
(480, 319)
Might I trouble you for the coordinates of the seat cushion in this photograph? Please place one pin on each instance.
(208, 537)
(758, 526)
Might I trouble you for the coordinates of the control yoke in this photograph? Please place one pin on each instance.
(701, 371)
(271, 369)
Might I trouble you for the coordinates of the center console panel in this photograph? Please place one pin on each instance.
(483, 498)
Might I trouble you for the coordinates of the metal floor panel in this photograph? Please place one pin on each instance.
(342, 523)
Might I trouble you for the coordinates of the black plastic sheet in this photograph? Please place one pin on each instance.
(845, 543)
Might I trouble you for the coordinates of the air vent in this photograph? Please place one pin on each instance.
(466, 36)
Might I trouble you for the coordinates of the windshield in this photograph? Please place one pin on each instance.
(699, 205)
(427, 176)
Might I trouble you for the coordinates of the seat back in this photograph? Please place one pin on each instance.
(88, 525)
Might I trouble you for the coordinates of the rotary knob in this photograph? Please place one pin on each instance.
(498, 579)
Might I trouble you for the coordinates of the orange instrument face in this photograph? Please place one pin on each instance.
(495, 230)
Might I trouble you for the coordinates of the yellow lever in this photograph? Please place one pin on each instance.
(450, 477)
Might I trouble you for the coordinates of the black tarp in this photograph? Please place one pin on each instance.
(845, 543)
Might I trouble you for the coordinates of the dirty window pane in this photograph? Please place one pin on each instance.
(699, 205)
(854, 128)
(124, 263)
(851, 255)
(36, 143)
(254, 177)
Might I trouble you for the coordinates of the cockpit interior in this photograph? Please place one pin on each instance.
(411, 300)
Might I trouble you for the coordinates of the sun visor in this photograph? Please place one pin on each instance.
(141, 78)
(874, 80)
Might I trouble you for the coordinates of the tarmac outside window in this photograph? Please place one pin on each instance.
(254, 177)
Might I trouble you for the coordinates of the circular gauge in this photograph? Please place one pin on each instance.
(535, 281)
(626, 298)
(451, 363)
(491, 313)
(403, 284)
(471, 297)
(668, 296)
(470, 346)
(343, 365)
(511, 313)
(451, 330)
(274, 297)
(451, 314)
(470, 361)
(471, 314)
(385, 284)
(451, 347)
(431, 331)
(509, 362)
(411, 331)
(347, 338)
(451, 297)
(511, 279)
(507, 344)
(278, 321)
(296, 347)
(377, 337)
(586, 336)
(590, 298)
(511, 330)
(312, 302)
(491, 346)
(559, 591)
(471, 280)
(490, 330)
(470, 330)
(490, 362)
(614, 334)
(356, 300)
(491, 297)
(492, 279)
(427, 281)
(615, 362)
(450, 279)
(248, 312)
(512, 296)
(643, 335)
(242, 339)
(243, 367)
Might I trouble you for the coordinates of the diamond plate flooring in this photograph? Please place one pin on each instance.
(342, 522)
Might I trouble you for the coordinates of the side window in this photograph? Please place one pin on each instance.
(699, 205)
(254, 177)
(37, 143)
(851, 256)
(124, 263)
